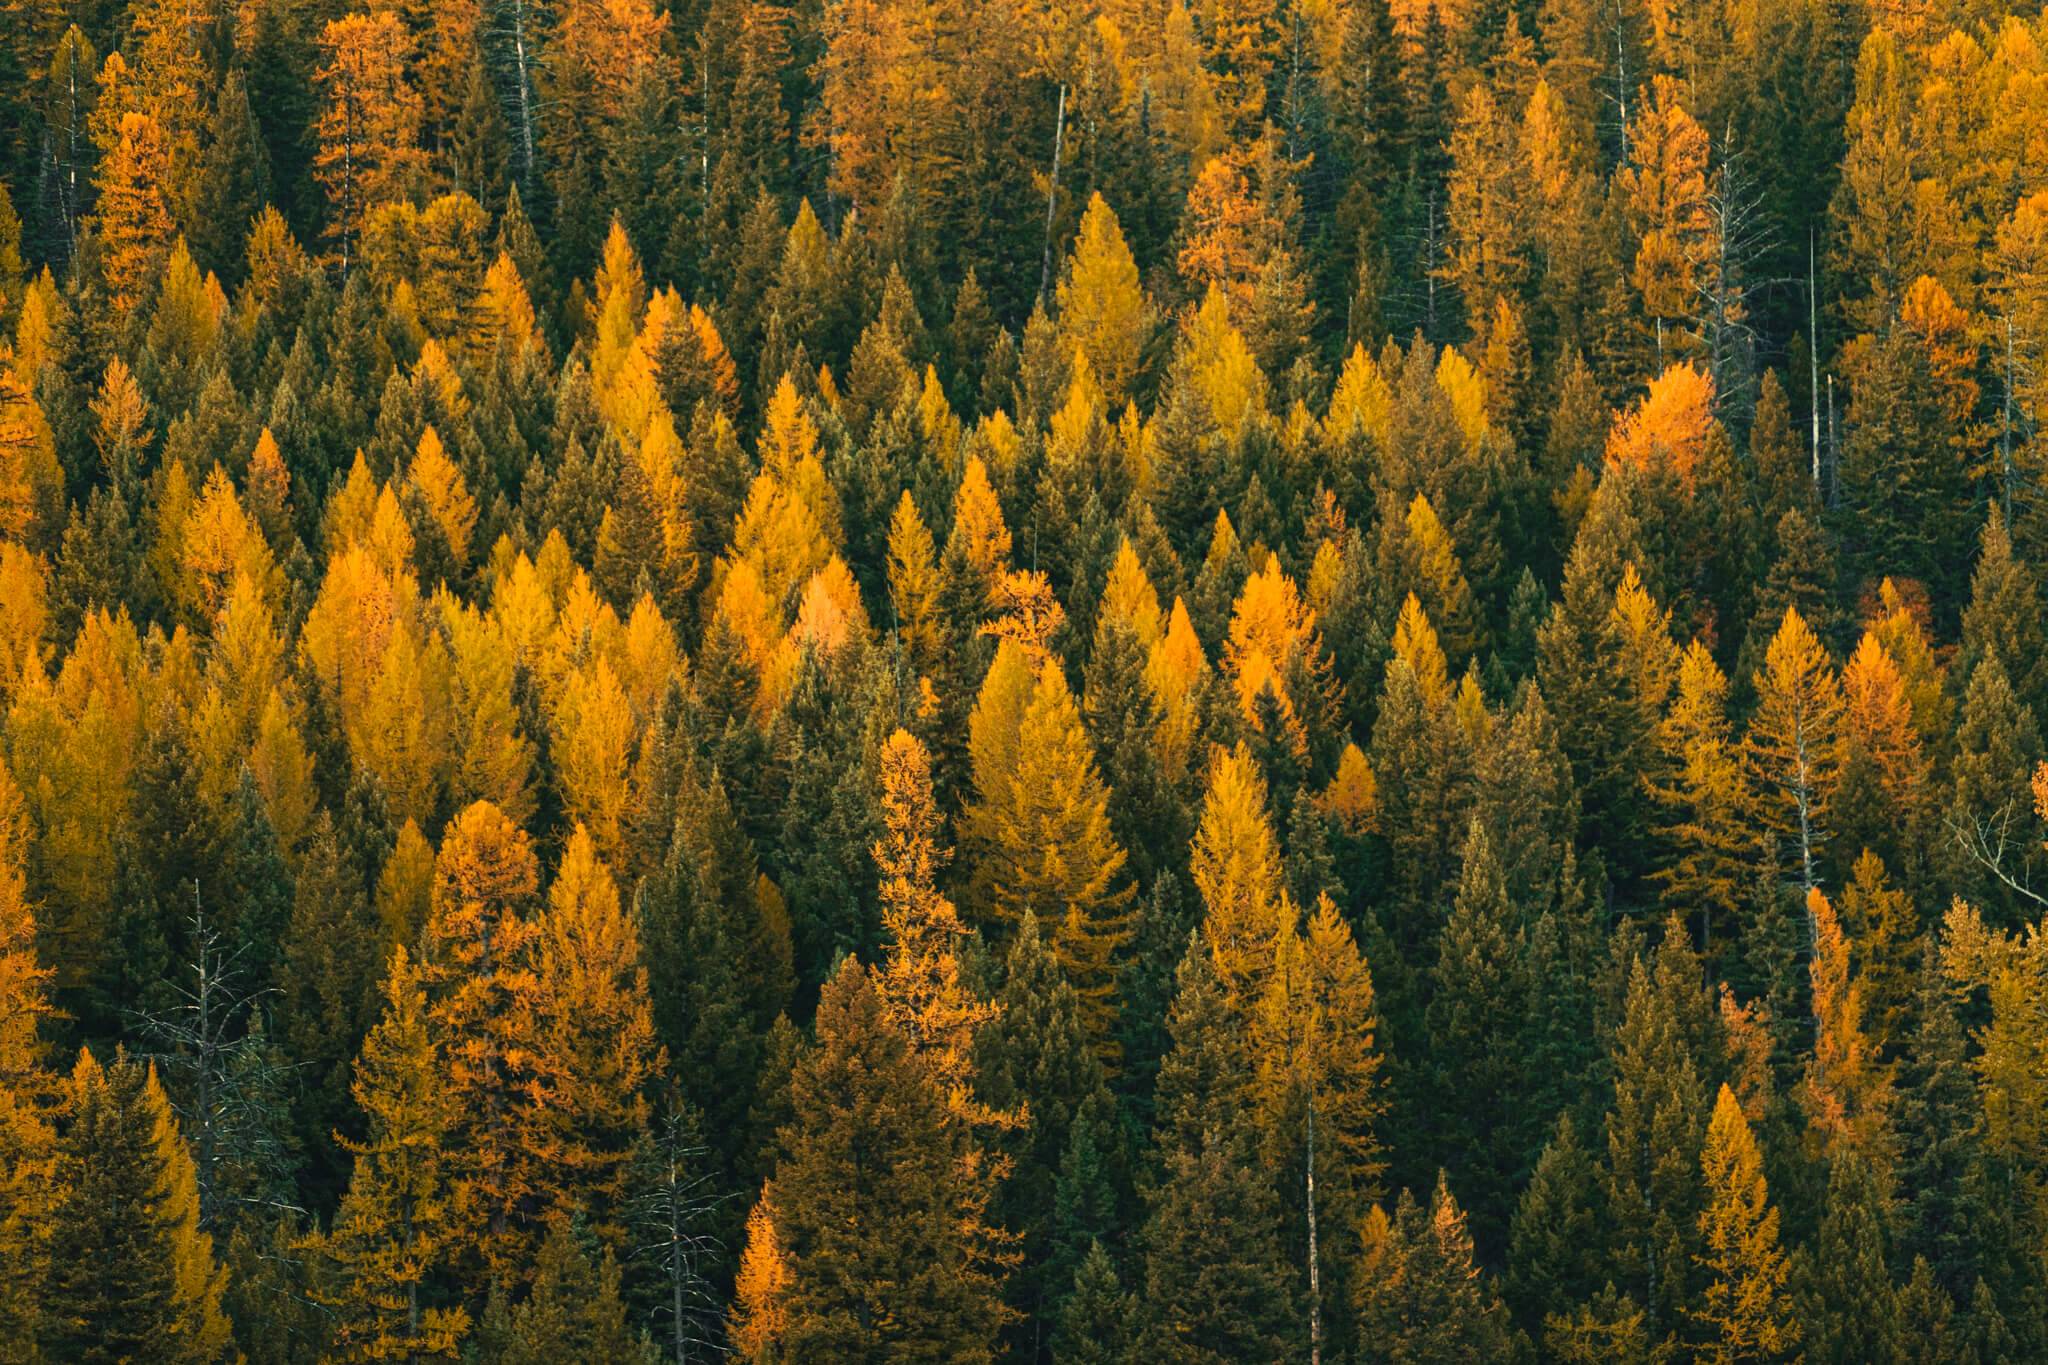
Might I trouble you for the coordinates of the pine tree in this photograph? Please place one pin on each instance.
(329, 975)
(575, 1311)
(2003, 619)
(1884, 793)
(1650, 1184)
(1670, 213)
(1884, 923)
(1846, 1301)
(1743, 1311)
(1482, 998)
(1036, 1061)
(1094, 1321)
(1485, 206)
(1552, 1252)
(1904, 462)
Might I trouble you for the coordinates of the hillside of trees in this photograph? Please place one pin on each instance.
(1035, 680)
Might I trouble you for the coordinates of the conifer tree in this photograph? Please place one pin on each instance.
(1793, 749)
(1650, 1184)
(1040, 827)
(1095, 1320)
(1482, 996)
(919, 980)
(593, 1045)
(1710, 849)
(1421, 1295)
(28, 1092)
(1218, 1285)
(131, 1275)
(1102, 309)
(1553, 1250)
(134, 221)
(883, 1250)
(575, 1311)
(1846, 1303)
(477, 954)
(1883, 793)
(1036, 1061)
(1846, 1092)
(2003, 619)
(398, 1228)
(1319, 1089)
(1743, 1311)
(1883, 922)
(1235, 863)
(368, 130)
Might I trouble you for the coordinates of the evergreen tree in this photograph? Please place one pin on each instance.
(1845, 1297)
(1095, 1320)
(1218, 1285)
(1421, 1295)
(885, 1254)
(575, 1311)
(1482, 997)
(131, 1275)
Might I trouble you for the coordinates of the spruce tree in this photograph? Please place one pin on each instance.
(886, 1254)
(1218, 1285)
(1421, 1295)
(131, 1275)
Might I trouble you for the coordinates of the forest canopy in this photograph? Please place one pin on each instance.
(1083, 680)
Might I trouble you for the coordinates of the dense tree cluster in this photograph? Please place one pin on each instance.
(1228, 680)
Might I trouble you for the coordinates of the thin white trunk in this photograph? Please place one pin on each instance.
(1052, 193)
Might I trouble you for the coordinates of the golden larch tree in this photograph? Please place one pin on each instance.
(134, 216)
(593, 1042)
(1102, 309)
(368, 131)
(919, 976)
(1235, 862)
(477, 952)
(403, 1215)
(1744, 1309)
(1846, 1091)
(1794, 747)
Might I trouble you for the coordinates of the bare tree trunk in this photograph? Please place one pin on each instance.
(1315, 1269)
(1813, 355)
(1052, 193)
(2005, 431)
(522, 75)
